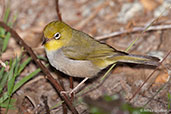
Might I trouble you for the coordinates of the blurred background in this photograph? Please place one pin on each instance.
(98, 18)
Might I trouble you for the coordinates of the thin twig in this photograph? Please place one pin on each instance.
(71, 86)
(64, 107)
(148, 77)
(57, 10)
(134, 30)
(43, 68)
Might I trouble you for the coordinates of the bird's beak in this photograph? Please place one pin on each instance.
(44, 40)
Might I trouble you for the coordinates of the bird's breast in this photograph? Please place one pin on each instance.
(75, 68)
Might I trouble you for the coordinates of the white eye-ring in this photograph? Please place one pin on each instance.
(57, 35)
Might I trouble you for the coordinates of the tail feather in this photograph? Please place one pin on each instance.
(139, 59)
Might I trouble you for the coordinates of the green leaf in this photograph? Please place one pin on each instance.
(19, 84)
(11, 77)
(6, 16)
(10, 63)
(5, 42)
(4, 97)
(3, 77)
(3, 81)
(25, 79)
(10, 105)
(16, 67)
(11, 85)
(42, 58)
(1, 73)
(2, 32)
(23, 65)
(169, 101)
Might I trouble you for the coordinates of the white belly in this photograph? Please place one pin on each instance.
(75, 68)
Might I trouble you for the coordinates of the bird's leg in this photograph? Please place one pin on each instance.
(78, 86)
(75, 88)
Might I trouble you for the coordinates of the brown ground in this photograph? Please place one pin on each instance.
(95, 17)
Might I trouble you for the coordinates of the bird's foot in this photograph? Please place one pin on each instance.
(68, 93)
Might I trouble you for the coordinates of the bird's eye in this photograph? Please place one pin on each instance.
(57, 35)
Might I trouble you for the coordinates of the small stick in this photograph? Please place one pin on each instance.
(57, 10)
(71, 86)
(134, 30)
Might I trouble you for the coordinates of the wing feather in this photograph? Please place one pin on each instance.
(84, 47)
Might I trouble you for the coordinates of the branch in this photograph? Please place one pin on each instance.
(57, 86)
(136, 29)
(57, 10)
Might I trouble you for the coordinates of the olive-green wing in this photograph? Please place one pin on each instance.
(83, 47)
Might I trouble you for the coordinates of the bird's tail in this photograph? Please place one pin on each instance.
(138, 59)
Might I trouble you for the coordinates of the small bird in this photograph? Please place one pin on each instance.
(77, 54)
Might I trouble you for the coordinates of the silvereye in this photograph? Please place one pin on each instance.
(77, 54)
